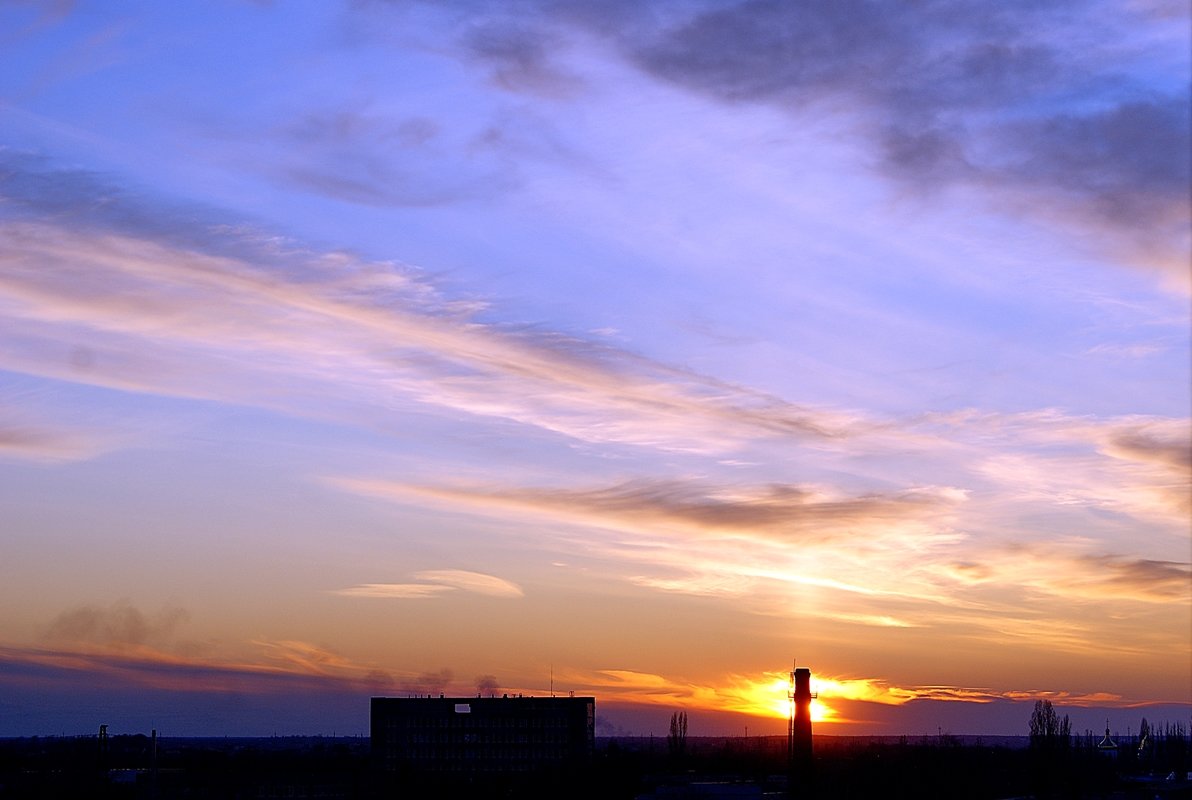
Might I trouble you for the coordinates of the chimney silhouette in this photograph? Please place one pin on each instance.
(799, 735)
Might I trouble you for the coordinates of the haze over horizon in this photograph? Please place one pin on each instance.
(633, 348)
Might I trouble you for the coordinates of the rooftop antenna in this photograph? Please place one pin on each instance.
(552, 679)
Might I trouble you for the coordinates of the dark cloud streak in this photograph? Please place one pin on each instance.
(1013, 98)
(117, 625)
(519, 59)
(1159, 580)
(778, 510)
(928, 77)
(1130, 161)
(428, 682)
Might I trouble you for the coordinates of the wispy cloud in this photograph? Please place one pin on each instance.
(787, 512)
(437, 582)
(222, 314)
(41, 443)
(394, 591)
(307, 658)
(880, 562)
(751, 543)
(1099, 577)
(34, 428)
(131, 646)
(1137, 465)
(144, 666)
(964, 95)
(476, 582)
(519, 58)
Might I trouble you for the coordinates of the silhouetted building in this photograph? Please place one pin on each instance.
(801, 718)
(482, 739)
(1108, 746)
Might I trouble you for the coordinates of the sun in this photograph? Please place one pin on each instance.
(776, 703)
(822, 712)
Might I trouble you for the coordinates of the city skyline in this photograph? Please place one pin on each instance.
(629, 349)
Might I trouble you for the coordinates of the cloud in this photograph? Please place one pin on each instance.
(621, 685)
(438, 582)
(367, 157)
(919, 560)
(223, 313)
(1121, 578)
(117, 625)
(963, 93)
(428, 682)
(400, 591)
(1134, 465)
(519, 58)
(756, 544)
(36, 426)
(307, 657)
(48, 13)
(1167, 445)
(476, 582)
(1048, 111)
(133, 647)
(782, 511)
(288, 666)
(487, 684)
(362, 150)
(39, 443)
(1124, 160)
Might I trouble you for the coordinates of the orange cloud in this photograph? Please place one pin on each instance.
(395, 591)
(40, 439)
(438, 581)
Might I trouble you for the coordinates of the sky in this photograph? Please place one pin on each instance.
(635, 349)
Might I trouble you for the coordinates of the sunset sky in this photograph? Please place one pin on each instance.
(634, 348)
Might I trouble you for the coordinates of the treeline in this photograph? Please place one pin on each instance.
(1068, 765)
(1163, 747)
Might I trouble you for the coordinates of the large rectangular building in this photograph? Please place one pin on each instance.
(477, 737)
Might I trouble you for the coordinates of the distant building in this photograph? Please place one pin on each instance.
(482, 739)
(1107, 746)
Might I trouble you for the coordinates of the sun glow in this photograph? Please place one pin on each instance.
(769, 696)
(772, 700)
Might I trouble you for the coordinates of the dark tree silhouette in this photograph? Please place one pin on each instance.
(676, 740)
(1050, 744)
(1048, 731)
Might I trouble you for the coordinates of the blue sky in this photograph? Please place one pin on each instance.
(652, 343)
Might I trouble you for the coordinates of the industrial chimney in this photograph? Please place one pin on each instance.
(799, 736)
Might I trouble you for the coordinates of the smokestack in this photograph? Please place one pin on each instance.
(801, 727)
(801, 780)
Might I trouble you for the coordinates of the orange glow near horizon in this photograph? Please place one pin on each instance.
(771, 699)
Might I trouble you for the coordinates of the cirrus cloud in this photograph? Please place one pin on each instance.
(437, 582)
